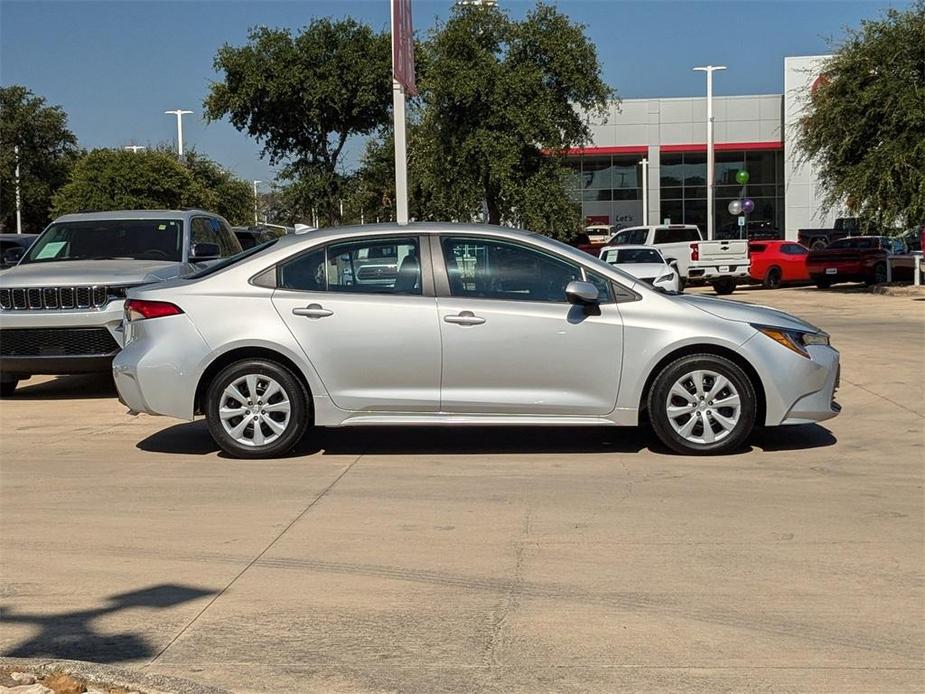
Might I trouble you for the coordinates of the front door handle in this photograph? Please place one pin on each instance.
(464, 318)
(313, 311)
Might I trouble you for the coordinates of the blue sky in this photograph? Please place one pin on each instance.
(116, 66)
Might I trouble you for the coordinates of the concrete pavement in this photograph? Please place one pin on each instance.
(488, 560)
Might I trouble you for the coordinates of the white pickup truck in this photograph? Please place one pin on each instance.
(721, 263)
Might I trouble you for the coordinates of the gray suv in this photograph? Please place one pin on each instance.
(61, 306)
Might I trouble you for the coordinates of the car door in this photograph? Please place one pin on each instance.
(511, 341)
(794, 260)
(364, 313)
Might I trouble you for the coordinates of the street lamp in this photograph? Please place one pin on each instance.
(179, 113)
(18, 198)
(709, 69)
(645, 191)
(255, 202)
(134, 149)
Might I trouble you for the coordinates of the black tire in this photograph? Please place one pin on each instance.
(7, 388)
(879, 276)
(293, 391)
(772, 280)
(818, 245)
(658, 405)
(682, 282)
(724, 285)
(823, 283)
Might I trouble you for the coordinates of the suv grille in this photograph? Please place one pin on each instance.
(56, 342)
(54, 298)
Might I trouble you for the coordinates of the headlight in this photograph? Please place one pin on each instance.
(793, 339)
(666, 278)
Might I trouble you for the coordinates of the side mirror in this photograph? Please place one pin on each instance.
(13, 255)
(205, 251)
(582, 293)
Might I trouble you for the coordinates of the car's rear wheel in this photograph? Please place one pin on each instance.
(8, 387)
(702, 404)
(724, 285)
(772, 279)
(879, 274)
(256, 409)
(823, 283)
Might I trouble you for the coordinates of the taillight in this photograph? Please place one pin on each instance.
(137, 309)
(695, 251)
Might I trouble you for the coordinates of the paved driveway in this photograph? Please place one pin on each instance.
(472, 559)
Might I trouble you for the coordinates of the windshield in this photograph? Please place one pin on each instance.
(632, 255)
(109, 239)
(222, 264)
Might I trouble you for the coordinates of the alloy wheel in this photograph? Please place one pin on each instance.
(255, 410)
(703, 406)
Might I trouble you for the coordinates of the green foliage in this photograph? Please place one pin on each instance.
(111, 179)
(501, 99)
(47, 147)
(302, 97)
(865, 125)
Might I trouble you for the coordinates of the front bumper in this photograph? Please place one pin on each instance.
(60, 341)
(798, 390)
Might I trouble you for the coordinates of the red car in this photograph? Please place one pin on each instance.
(777, 262)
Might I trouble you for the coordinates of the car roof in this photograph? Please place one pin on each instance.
(132, 214)
(632, 247)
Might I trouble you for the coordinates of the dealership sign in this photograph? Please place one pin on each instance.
(403, 46)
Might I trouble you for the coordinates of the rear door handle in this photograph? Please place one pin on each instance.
(313, 311)
(464, 318)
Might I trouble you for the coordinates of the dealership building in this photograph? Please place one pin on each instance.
(754, 133)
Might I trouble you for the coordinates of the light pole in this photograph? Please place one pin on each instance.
(18, 198)
(710, 69)
(255, 202)
(134, 149)
(179, 113)
(645, 191)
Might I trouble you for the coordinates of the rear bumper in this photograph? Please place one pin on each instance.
(28, 366)
(709, 273)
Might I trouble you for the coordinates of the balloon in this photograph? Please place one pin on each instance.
(735, 207)
(748, 205)
(742, 176)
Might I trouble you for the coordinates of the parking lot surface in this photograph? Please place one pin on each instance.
(445, 560)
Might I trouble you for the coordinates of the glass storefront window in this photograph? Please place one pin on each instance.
(695, 169)
(672, 170)
(596, 173)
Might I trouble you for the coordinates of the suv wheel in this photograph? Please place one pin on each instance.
(772, 280)
(702, 404)
(256, 409)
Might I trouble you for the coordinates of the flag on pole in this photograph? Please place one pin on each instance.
(403, 46)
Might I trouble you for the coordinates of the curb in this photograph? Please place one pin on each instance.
(100, 674)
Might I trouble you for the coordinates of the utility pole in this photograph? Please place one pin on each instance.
(710, 69)
(135, 149)
(18, 197)
(179, 113)
(255, 202)
(645, 191)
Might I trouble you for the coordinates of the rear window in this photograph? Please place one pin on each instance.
(672, 235)
(842, 243)
(636, 237)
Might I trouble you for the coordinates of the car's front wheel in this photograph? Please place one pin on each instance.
(702, 404)
(256, 408)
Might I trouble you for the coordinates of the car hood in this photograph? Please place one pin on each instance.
(644, 269)
(745, 313)
(90, 272)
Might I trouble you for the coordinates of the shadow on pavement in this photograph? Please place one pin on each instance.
(73, 635)
(192, 438)
(82, 387)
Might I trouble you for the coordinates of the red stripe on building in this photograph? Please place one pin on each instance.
(585, 151)
(725, 146)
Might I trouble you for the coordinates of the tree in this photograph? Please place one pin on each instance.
(502, 100)
(865, 124)
(302, 97)
(113, 179)
(47, 150)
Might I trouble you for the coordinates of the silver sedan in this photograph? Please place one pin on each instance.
(459, 324)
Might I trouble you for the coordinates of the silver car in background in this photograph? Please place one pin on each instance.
(454, 325)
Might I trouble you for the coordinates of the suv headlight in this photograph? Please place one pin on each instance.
(794, 340)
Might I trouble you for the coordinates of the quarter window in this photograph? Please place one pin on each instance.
(604, 287)
(490, 269)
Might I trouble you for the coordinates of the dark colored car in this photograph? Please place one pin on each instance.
(777, 262)
(13, 247)
(249, 237)
(852, 259)
(584, 243)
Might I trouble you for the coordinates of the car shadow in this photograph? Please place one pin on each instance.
(76, 635)
(192, 438)
(76, 387)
